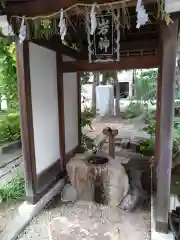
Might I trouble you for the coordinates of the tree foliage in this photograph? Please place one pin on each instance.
(85, 76)
(10, 128)
(8, 76)
(145, 85)
(108, 77)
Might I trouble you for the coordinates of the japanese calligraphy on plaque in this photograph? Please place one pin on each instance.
(104, 44)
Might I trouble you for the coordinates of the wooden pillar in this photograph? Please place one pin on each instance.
(60, 91)
(79, 106)
(169, 47)
(158, 114)
(27, 133)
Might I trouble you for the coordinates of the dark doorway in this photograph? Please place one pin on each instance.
(124, 89)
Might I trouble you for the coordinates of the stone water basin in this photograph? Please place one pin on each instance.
(97, 159)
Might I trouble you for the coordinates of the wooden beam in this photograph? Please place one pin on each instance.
(27, 132)
(139, 45)
(125, 63)
(147, 44)
(55, 44)
(169, 36)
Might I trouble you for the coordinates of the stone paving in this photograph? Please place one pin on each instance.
(10, 170)
(7, 158)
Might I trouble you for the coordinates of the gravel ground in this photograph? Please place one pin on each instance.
(81, 220)
(7, 212)
(88, 221)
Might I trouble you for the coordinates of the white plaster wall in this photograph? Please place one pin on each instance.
(44, 105)
(172, 6)
(125, 76)
(70, 110)
(105, 100)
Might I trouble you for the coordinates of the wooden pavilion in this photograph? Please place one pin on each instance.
(49, 88)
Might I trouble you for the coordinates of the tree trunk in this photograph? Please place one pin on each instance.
(104, 78)
(117, 96)
(95, 83)
(134, 79)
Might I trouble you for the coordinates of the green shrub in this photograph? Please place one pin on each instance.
(133, 110)
(149, 146)
(149, 115)
(87, 142)
(151, 128)
(177, 109)
(87, 116)
(14, 190)
(10, 128)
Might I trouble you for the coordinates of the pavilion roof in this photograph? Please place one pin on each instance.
(134, 42)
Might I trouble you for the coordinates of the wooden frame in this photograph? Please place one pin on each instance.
(38, 184)
(26, 119)
(169, 47)
(60, 89)
(125, 63)
(79, 106)
(134, 55)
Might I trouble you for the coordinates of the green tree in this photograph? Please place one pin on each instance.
(145, 85)
(85, 76)
(177, 81)
(8, 76)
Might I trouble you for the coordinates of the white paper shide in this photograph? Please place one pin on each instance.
(142, 16)
(22, 31)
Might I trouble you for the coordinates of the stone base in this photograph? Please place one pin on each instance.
(9, 147)
(162, 227)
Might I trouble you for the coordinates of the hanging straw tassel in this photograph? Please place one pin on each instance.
(142, 16)
(22, 31)
(62, 25)
(93, 19)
